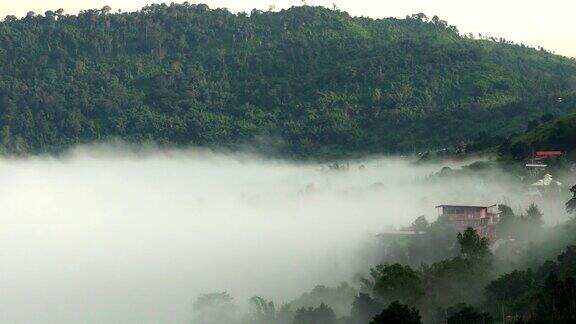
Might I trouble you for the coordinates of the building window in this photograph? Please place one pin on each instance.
(453, 210)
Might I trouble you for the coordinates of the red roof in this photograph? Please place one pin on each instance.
(548, 153)
(465, 206)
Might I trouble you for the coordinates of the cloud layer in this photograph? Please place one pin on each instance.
(106, 236)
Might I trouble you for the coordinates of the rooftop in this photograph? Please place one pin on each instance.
(465, 206)
(401, 233)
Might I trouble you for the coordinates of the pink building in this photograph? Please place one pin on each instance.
(480, 218)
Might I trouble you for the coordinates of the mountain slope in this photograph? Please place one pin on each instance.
(557, 134)
(319, 81)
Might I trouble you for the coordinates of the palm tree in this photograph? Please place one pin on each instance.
(264, 311)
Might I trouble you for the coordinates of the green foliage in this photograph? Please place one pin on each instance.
(551, 133)
(364, 308)
(556, 301)
(520, 151)
(320, 315)
(532, 125)
(522, 228)
(544, 296)
(512, 291)
(339, 298)
(318, 82)
(557, 133)
(420, 225)
(506, 212)
(465, 314)
(571, 204)
(397, 313)
(214, 308)
(397, 282)
(534, 215)
(461, 278)
(472, 245)
(566, 265)
(438, 285)
(434, 242)
(457, 279)
(264, 312)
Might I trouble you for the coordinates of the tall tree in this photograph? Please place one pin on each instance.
(420, 224)
(465, 314)
(396, 282)
(263, 311)
(319, 315)
(571, 204)
(520, 150)
(364, 308)
(397, 313)
(556, 301)
(472, 245)
(534, 215)
(214, 308)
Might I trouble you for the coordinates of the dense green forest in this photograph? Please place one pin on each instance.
(549, 132)
(557, 133)
(307, 81)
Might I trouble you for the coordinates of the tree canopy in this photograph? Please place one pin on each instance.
(309, 81)
(398, 313)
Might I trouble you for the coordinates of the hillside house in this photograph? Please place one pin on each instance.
(483, 219)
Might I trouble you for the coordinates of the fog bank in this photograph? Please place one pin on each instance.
(105, 236)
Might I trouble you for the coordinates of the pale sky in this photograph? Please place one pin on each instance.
(549, 23)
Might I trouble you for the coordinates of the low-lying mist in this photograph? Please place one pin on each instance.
(105, 236)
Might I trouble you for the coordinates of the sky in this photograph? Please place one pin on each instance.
(549, 24)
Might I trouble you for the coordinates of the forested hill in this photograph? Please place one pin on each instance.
(556, 134)
(316, 80)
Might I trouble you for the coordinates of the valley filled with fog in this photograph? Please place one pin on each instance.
(113, 235)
